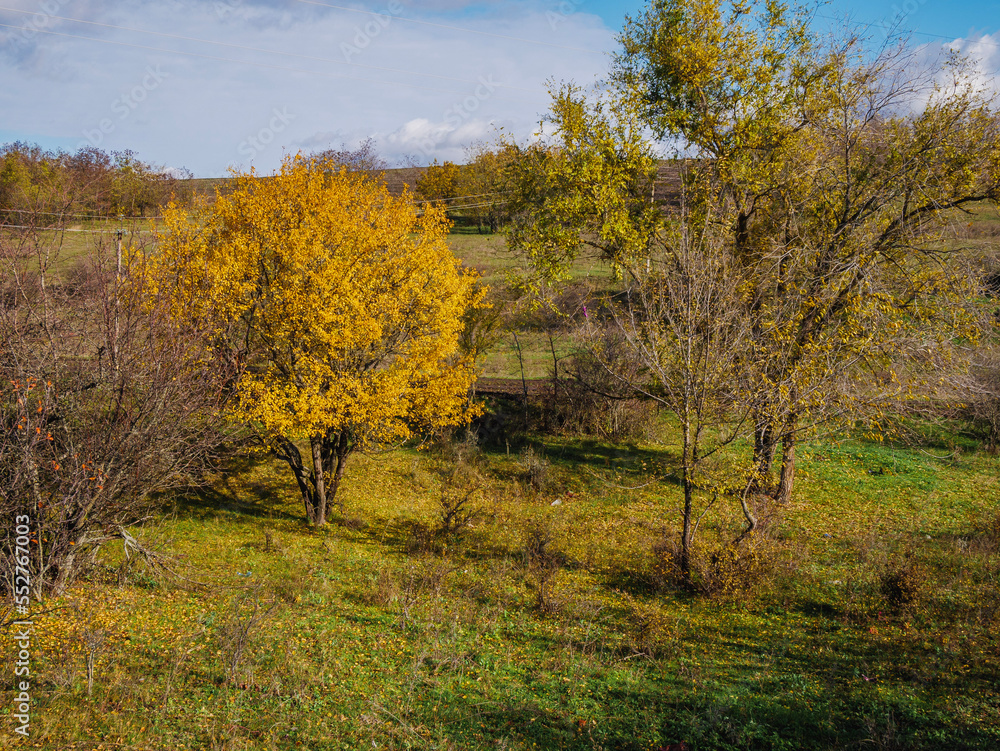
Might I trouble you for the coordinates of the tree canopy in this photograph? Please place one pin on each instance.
(343, 305)
(828, 173)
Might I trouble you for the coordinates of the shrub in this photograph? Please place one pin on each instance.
(535, 469)
(734, 571)
(542, 561)
(103, 399)
(903, 584)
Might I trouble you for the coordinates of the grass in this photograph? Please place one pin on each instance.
(539, 625)
(363, 635)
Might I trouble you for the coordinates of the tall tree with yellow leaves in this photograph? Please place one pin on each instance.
(835, 169)
(829, 170)
(344, 306)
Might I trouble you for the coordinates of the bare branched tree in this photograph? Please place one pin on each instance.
(104, 401)
(681, 321)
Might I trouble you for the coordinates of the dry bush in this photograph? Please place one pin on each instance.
(654, 633)
(404, 589)
(456, 509)
(595, 402)
(990, 534)
(904, 584)
(238, 635)
(580, 410)
(534, 469)
(104, 398)
(982, 398)
(462, 487)
(743, 570)
(735, 571)
(542, 560)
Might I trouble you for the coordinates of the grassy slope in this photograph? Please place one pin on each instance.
(366, 636)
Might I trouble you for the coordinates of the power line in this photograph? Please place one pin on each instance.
(455, 198)
(86, 231)
(114, 218)
(264, 50)
(891, 28)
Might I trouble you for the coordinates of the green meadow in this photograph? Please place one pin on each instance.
(871, 620)
(517, 594)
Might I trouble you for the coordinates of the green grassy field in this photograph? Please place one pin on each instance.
(867, 617)
(373, 633)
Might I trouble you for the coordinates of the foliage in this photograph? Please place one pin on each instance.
(587, 188)
(47, 188)
(827, 202)
(439, 182)
(832, 198)
(483, 180)
(344, 306)
(364, 158)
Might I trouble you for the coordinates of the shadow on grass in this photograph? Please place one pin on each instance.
(255, 498)
(595, 456)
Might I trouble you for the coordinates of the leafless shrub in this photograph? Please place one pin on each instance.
(535, 469)
(740, 571)
(594, 401)
(903, 584)
(654, 632)
(104, 400)
(734, 571)
(542, 562)
(93, 641)
(239, 631)
(403, 589)
(982, 398)
(456, 510)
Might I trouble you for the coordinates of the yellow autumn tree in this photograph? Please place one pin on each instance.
(830, 172)
(343, 305)
(835, 167)
(439, 182)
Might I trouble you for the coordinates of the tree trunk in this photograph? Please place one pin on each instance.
(784, 494)
(685, 561)
(289, 452)
(318, 481)
(341, 450)
(764, 445)
(688, 516)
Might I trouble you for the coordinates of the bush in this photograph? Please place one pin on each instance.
(736, 571)
(104, 402)
(535, 469)
(542, 561)
(903, 584)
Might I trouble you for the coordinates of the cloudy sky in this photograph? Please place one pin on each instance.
(210, 84)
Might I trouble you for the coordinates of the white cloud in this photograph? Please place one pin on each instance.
(983, 53)
(227, 65)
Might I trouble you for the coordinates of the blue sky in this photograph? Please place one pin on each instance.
(211, 84)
